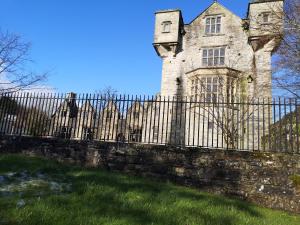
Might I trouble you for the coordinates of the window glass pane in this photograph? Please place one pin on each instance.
(204, 62)
(218, 28)
(208, 89)
(208, 97)
(216, 61)
(215, 80)
(222, 51)
(266, 18)
(209, 79)
(213, 28)
(207, 28)
(208, 21)
(213, 20)
(222, 61)
(204, 53)
(211, 52)
(219, 19)
(215, 88)
(221, 82)
(217, 52)
(210, 61)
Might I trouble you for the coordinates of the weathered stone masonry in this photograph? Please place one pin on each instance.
(264, 178)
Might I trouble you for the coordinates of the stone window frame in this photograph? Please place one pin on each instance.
(213, 56)
(166, 26)
(213, 24)
(207, 88)
(265, 15)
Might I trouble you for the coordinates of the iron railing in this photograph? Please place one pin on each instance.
(252, 125)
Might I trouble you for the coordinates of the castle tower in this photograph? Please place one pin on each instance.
(167, 43)
(265, 25)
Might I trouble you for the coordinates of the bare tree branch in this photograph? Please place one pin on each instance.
(14, 60)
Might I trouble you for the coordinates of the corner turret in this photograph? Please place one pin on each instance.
(168, 32)
(265, 22)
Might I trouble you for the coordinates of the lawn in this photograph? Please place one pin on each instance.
(38, 191)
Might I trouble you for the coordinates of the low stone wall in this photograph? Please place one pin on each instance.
(268, 179)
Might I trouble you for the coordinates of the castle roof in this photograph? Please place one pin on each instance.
(212, 5)
(168, 10)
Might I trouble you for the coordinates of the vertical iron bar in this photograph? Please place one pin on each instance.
(248, 125)
(6, 110)
(198, 121)
(29, 113)
(100, 117)
(163, 120)
(158, 122)
(291, 126)
(269, 122)
(54, 115)
(264, 127)
(95, 117)
(150, 127)
(274, 133)
(115, 120)
(189, 129)
(213, 124)
(203, 121)
(297, 125)
(258, 125)
(144, 125)
(194, 128)
(167, 128)
(280, 125)
(285, 127)
(19, 113)
(44, 114)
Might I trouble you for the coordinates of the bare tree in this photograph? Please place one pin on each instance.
(287, 60)
(14, 64)
(108, 91)
(224, 100)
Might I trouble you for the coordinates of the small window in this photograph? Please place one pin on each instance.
(213, 25)
(166, 26)
(266, 17)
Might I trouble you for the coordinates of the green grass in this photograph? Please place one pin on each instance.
(98, 197)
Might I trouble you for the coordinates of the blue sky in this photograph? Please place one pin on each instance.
(88, 45)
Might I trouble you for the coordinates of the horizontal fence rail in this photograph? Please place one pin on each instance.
(251, 125)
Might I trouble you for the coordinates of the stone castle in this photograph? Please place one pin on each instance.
(208, 64)
(218, 53)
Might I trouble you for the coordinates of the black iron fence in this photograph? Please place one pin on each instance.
(253, 125)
